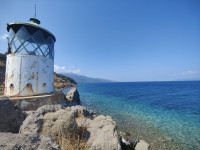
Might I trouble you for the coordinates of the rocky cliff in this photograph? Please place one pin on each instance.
(62, 82)
(59, 127)
(56, 127)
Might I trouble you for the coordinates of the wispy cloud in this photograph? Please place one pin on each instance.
(186, 73)
(62, 69)
(189, 72)
(59, 69)
(4, 36)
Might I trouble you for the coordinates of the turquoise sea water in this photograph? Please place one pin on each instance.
(173, 108)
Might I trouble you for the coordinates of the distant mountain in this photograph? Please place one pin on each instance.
(84, 79)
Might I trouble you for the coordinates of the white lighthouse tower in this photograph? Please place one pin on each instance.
(29, 66)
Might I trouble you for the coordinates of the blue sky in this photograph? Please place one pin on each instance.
(129, 40)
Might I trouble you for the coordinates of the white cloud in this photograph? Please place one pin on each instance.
(58, 68)
(75, 71)
(189, 72)
(4, 36)
(71, 69)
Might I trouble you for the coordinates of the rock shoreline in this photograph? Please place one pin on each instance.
(59, 127)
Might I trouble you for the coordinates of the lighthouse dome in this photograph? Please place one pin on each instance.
(31, 38)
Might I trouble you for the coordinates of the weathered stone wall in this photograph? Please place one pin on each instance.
(34, 102)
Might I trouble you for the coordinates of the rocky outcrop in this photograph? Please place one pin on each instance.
(63, 82)
(142, 145)
(33, 122)
(102, 133)
(80, 110)
(60, 125)
(72, 127)
(48, 108)
(54, 121)
(9, 141)
(73, 124)
(11, 116)
(73, 96)
(53, 127)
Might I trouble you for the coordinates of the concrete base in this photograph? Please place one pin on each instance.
(34, 102)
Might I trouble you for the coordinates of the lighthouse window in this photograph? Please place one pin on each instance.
(39, 52)
(22, 34)
(12, 45)
(11, 34)
(45, 46)
(38, 37)
(35, 43)
(17, 43)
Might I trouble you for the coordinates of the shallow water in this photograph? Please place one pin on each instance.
(165, 114)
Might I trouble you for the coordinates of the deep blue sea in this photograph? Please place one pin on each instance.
(170, 108)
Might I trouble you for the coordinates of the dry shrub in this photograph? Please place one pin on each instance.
(77, 144)
(61, 125)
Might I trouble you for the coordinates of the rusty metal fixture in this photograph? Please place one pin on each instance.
(31, 62)
(11, 85)
(23, 69)
(29, 85)
(44, 84)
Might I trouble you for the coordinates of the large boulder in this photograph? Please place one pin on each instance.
(34, 121)
(11, 116)
(62, 126)
(9, 141)
(102, 133)
(80, 110)
(48, 108)
(73, 96)
(53, 121)
(73, 127)
(142, 145)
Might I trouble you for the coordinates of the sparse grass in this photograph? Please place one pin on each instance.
(79, 116)
(61, 125)
(77, 143)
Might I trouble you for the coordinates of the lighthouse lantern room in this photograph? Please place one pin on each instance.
(30, 62)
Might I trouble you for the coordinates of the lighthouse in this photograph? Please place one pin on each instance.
(30, 62)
